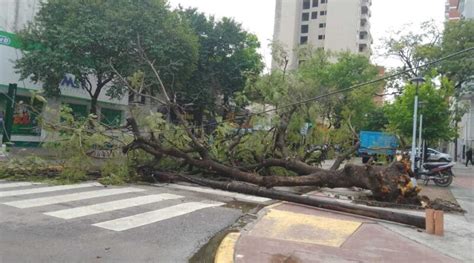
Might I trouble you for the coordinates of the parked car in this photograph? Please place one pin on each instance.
(434, 155)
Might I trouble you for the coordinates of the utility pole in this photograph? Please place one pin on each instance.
(420, 144)
(8, 119)
(417, 81)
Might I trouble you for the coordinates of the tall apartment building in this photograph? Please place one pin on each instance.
(336, 25)
(463, 9)
(451, 10)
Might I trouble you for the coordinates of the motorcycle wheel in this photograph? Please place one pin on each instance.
(445, 180)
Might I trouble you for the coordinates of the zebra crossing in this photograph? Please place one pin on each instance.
(18, 195)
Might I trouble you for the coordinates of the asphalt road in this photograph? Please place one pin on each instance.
(137, 224)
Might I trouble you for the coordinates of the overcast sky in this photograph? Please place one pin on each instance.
(257, 17)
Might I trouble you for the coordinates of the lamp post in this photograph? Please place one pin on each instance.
(420, 141)
(417, 81)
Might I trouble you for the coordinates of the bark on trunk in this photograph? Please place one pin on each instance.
(93, 109)
(413, 220)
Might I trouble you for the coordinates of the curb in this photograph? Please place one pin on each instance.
(226, 249)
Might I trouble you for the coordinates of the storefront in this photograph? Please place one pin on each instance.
(26, 129)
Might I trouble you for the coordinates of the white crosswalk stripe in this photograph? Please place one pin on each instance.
(138, 220)
(242, 197)
(35, 202)
(12, 185)
(111, 206)
(59, 195)
(45, 189)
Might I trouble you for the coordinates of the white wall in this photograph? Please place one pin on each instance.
(14, 14)
(343, 22)
(8, 75)
(287, 26)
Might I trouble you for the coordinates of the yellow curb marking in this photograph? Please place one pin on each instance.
(305, 228)
(225, 252)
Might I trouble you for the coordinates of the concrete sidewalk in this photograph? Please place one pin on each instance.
(287, 232)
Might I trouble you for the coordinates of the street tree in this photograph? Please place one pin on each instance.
(411, 49)
(457, 36)
(434, 108)
(84, 37)
(228, 58)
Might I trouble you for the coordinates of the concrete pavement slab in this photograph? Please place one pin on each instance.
(297, 227)
(296, 233)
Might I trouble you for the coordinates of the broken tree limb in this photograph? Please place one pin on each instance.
(344, 156)
(384, 182)
(245, 188)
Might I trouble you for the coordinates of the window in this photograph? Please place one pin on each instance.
(79, 112)
(321, 37)
(315, 3)
(314, 15)
(306, 4)
(25, 116)
(322, 13)
(304, 29)
(111, 117)
(322, 25)
(324, 1)
(303, 40)
(305, 17)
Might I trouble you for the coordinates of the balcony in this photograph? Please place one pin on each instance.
(366, 3)
(364, 25)
(365, 14)
(364, 38)
(364, 10)
(364, 49)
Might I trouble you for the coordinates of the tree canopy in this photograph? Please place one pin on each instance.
(83, 38)
(228, 57)
(434, 108)
(457, 36)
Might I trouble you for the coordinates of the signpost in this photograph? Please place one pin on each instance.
(8, 122)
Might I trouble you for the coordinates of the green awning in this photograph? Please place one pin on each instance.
(9, 39)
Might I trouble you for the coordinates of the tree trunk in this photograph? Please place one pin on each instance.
(413, 220)
(386, 183)
(93, 109)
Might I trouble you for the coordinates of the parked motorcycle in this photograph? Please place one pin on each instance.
(440, 173)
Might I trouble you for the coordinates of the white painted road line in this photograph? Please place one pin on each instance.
(111, 206)
(242, 197)
(58, 199)
(45, 189)
(138, 220)
(11, 185)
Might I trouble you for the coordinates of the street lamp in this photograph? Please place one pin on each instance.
(417, 81)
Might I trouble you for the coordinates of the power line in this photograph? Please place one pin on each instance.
(428, 64)
(366, 83)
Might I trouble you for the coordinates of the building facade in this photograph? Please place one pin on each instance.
(466, 9)
(26, 130)
(451, 10)
(335, 25)
(465, 127)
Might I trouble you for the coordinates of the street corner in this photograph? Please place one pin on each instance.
(226, 250)
(304, 228)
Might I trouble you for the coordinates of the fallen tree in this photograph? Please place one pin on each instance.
(245, 188)
(390, 183)
(233, 155)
